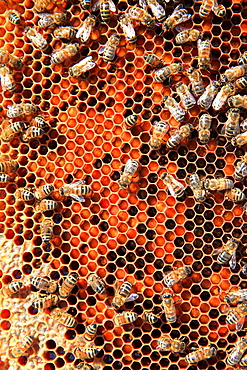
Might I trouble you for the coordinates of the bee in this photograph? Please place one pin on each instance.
(105, 7)
(173, 277)
(10, 129)
(237, 101)
(86, 352)
(10, 60)
(163, 73)
(236, 296)
(129, 170)
(31, 133)
(218, 184)
(75, 190)
(85, 30)
(4, 178)
(142, 16)
(169, 308)
(125, 318)
(86, 4)
(196, 81)
(46, 205)
(46, 302)
(160, 129)
(174, 108)
(243, 58)
(150, 317)
(109, 50)
(14, 17)
(46, 230)
(47, 20)
(43, 284)
(231, 127)
(130, 121)
(153, 60)
(234, 73)
(235, 195)
(64, 318)
(179, 15)
(205, 121)
(202, 353)
(222, 96)
(187, 35)
(68, 284)
(43, 191)
(208, 5)
(96, 283)
(167, 344)
(8, 165)
(228, 253)
(7, 79)
(241, 168)
(22, 346)
(185, 95)
(90, 332)
(175, 187)
(204, 48)
(127, 27)
(196, 185)
(67, 52)
(36, 38)
(180, 134)
(16, 110)
(243, 361)
(24, 194)
(156, 8)
(240, 139)
(123, 295)
(241, 83)
(236, 316)
(207, 97)
(65, 33)
(11, 288)
(83, 66)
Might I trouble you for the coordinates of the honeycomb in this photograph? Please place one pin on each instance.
(137, 234)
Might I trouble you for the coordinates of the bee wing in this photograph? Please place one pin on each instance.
(112, 6)
(82, 31)
(101, 50)
(80, 182)
(180, 28)
(233, 261)
(96, 6)
(44, 15)
(132, 297)
(240, 323)
(143, 4)
(217, 251)
(79, 198)
(185, 17)
(129, 30)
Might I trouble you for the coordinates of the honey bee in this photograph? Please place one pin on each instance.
(85, 30)
(46, 302)
(174, 108)
(218, 184)
(24, 194)
(96, 283)
(123, 295)
(202, 353)
(160, 129)
(241, 83)
(236, 296)
(208, 5)
(150, 317)
(205, 121)
(90, 332)
(43, 284)
(36, 38)
(4, 178)
(64, 318)
(237, 101)
(65, 53)
(196, 185)
(125, 318)
(83, 66)
(41, 5)
(207, 97)
(75, 190)
(10, 129)
(163, 73)
(180, 134)
(65, 33)
(234, 73)
(68, 284)
(236, 316)
(231, 127)
(187, 35)
(86, 352)
(196, 81)
(241, 168)
(7, 79)
(47, 20)
(129, 170)
(142, 16)
(105, 7)
(14, 17)
(130, 121)
(109, 50)
(46, 230)
(46, 205)
(235, 195)
(240, 139)
(167, 344)
(222, 96)
(127, 27)
(173, 277)
(228, 253)
(185, 95)
(11, 288)
(10, 60)
(243, 58)
(86, 4)
(31, 133)
(176, 189)
(169, 307)
(7, 165)
(153, 60)
(22, 346)
(156, 8)
(204, 48)
(43, 191)
(16, 110)
(179, 15)
(243, 361)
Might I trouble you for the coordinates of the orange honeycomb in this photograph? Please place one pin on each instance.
(136, 234)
